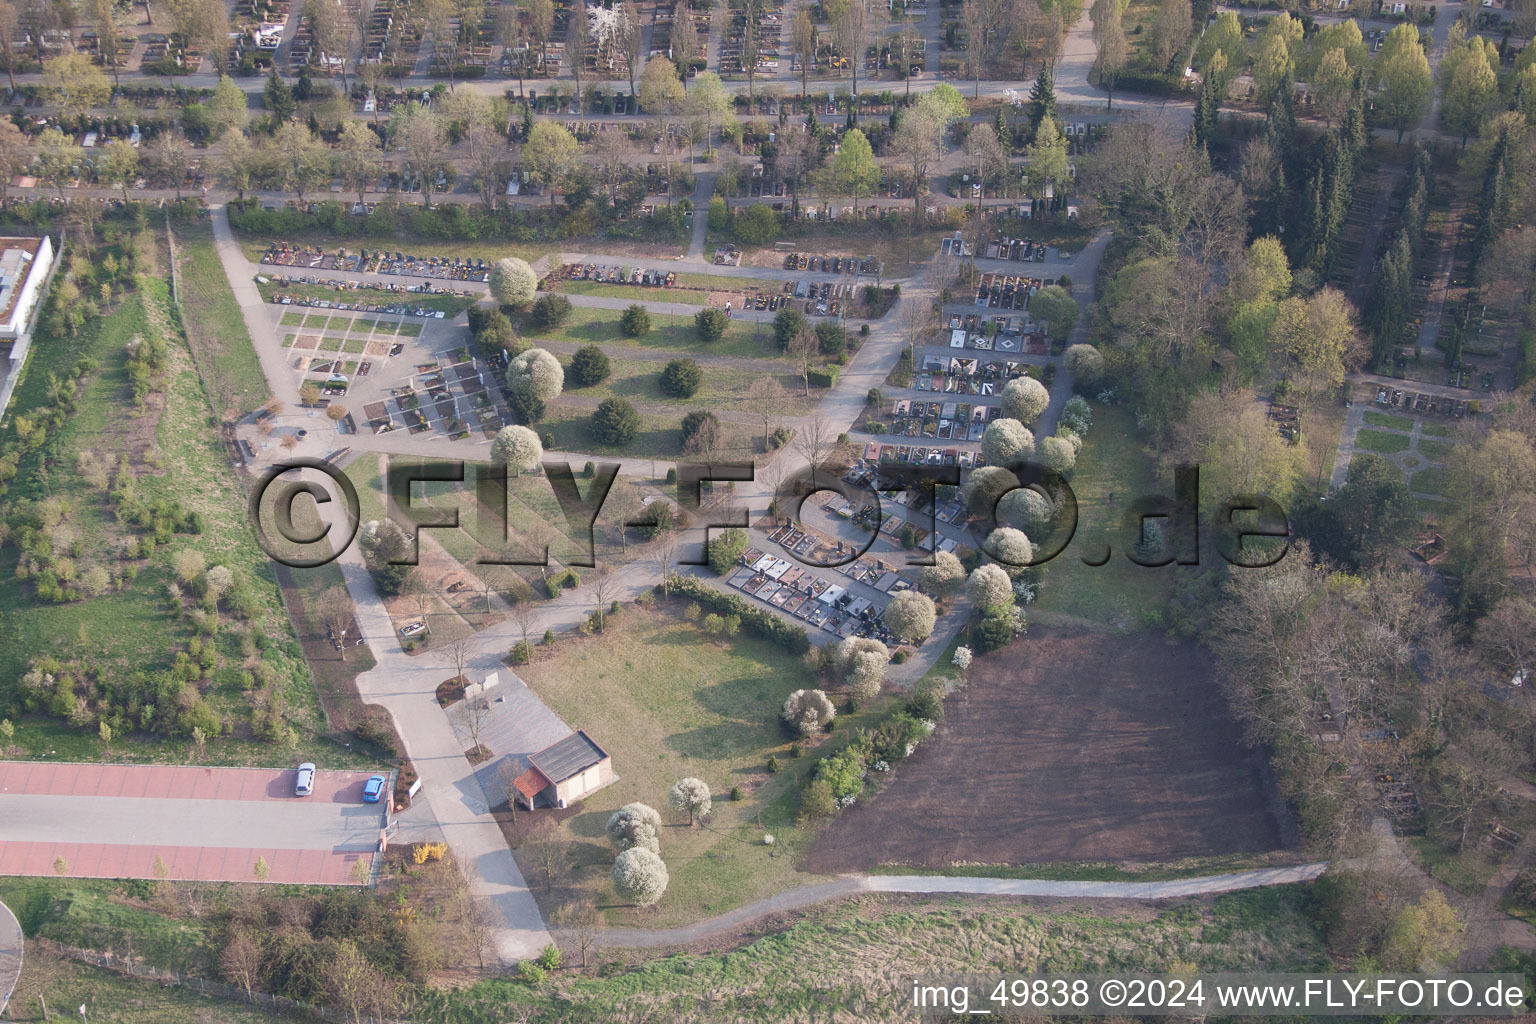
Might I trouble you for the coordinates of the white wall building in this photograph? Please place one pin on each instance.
(25, 265)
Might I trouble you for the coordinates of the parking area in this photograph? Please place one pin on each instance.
(186, 823)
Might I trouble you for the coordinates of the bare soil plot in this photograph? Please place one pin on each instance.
(1072, 745)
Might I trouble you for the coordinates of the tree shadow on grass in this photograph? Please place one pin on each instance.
(748, 709)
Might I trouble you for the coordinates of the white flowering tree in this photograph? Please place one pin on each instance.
(988, 587)
(1011, 548)
(962, 661)
(1006, 442)
(640, 876)
(944, 574)
(538, 373)
(910, 615)
(633, 825)
(1024, 399)
(517, 448)
(513, 282)
(691, 795)
(805, 711)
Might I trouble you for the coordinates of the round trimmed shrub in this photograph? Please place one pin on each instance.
(1058, 453)
(985, 486)
(1027, 510)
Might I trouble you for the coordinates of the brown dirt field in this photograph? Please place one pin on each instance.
(1071, 745)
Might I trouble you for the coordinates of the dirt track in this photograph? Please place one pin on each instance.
(1070, 746)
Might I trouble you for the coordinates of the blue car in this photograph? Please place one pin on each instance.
(373, 789)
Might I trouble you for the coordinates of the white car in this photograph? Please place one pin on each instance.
(304, 782)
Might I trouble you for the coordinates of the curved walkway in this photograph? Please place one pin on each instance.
(10, 954)
(850, 885)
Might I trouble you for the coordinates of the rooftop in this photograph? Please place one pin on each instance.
(16, 256)
(569, 757)
(531, 783)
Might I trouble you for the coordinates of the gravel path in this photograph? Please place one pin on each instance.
(849, 885)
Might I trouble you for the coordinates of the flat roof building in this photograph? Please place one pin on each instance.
(25, 265)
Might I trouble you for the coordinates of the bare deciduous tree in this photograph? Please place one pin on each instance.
(581, 920)
(765, 397)
(547, 854)
(240, 960)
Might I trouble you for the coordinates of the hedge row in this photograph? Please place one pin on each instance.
(825, 377)
(765, 624)
(1156, 85)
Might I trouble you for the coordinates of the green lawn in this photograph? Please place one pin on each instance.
(683, 296)
(1436, 451)
(65, 985)
(692, 289)
(1434, 480)
(1436, 429)
(293, 319)
(1112, 470)
(723, 387)
(314, 320)
(587, 326)
(659, 437)
(669, 702)
(1381, 442)
(216, 328)
(96, 914)
(1430, 507)
(1389, 421)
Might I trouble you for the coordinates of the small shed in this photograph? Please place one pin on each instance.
(565, 772)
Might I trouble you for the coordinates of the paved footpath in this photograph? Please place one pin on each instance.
(851, 885)
(10, 954)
